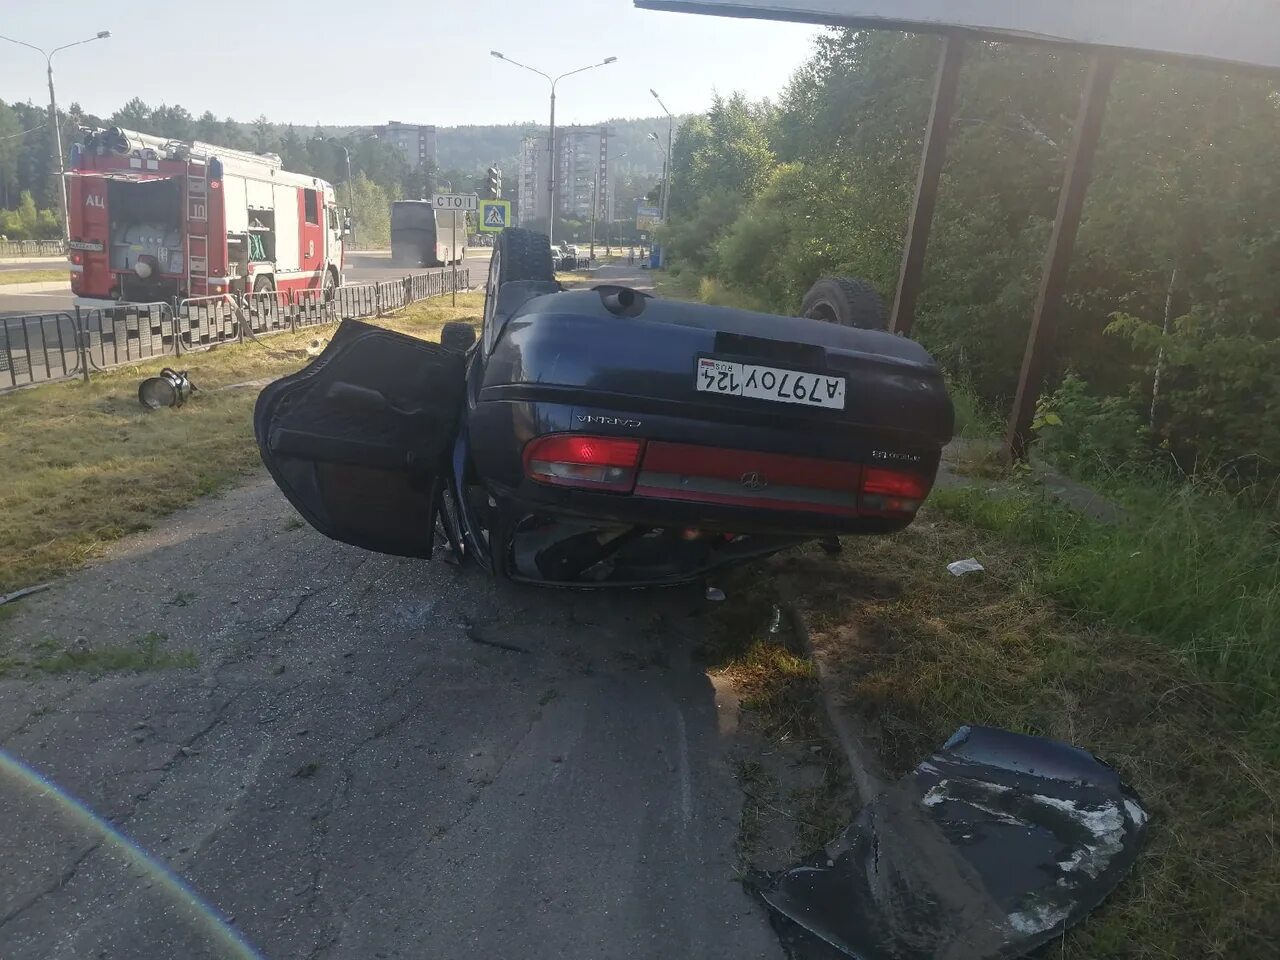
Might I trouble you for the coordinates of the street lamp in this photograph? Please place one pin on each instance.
(551, 189)
(666, 175)
(53, 119)
(351, 197)
(666, 190)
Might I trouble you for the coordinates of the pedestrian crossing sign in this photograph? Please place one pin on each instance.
(495, 215)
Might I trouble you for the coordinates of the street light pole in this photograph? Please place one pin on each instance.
(60, 161)
(608, 220)
(351, 197)
(551, 186)
(666, 190)
(595, 208)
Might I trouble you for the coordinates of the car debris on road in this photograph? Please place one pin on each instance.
(990, 848)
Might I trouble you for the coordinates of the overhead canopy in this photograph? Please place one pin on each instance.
(1238, 32)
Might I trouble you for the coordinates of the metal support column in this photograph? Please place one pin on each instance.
(1075, 184)
(945, 87)
(82, 345)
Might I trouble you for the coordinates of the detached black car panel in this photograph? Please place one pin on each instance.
(603, 436)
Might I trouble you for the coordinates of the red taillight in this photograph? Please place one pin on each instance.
(892, 491)
(578, 460)
(77, 257)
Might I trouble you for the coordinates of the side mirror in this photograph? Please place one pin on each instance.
(346, 226)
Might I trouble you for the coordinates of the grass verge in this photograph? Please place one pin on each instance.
(794, 784)
(85, 465)
(1190, 570)
(146, 653)
(8, 277)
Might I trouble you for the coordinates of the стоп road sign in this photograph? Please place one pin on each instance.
(495, 215)
(454, 201)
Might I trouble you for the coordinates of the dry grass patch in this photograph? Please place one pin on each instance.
(84, 464)
(8, 277)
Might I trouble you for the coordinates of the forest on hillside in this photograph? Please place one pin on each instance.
(28, 198)
(1169, 348)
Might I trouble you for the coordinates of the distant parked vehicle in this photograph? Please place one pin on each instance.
(569, 257)
(420, 238)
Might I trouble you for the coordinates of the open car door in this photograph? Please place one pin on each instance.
(359, 439)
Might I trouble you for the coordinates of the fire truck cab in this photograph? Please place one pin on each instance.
(157, 220)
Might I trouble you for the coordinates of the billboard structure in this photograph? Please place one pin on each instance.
(647, 217)
(1238, 33)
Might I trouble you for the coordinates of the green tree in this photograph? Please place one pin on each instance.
(719, 163)
(370, 211)
(134, 115)
(175, 122)
(1180, 223)
(11, 135)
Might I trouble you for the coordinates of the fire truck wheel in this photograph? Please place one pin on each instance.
(263, 285)
(330, 285)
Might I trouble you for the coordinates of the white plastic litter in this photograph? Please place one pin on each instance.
(715, 594)
(961, 567)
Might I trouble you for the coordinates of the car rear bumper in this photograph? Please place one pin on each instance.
(648, 511)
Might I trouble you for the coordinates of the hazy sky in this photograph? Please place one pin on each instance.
(368, 61)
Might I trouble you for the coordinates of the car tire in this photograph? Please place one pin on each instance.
(848, 301)
(524, 255)
(457, 336)
(517, 255)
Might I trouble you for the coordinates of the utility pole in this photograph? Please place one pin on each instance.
(59, 162)
(551, 186)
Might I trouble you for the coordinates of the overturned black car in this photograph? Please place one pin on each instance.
(606, 437)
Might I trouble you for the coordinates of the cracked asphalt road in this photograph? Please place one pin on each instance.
(352, 771)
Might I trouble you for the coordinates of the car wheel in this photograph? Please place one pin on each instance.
(449, 525)
(517, 255)
(847, 301)
(457, 335)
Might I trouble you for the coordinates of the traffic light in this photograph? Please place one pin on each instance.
(494, 186)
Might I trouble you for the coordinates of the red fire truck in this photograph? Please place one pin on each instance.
(154, 219)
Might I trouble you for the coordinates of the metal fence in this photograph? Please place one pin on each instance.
(31, 248)
(37, 348)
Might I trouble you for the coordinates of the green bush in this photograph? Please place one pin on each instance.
(29, 223)
(1190, 567)
(1091, 435)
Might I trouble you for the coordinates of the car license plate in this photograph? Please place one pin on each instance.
(769, 383)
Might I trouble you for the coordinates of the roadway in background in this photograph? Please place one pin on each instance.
(365, 266)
